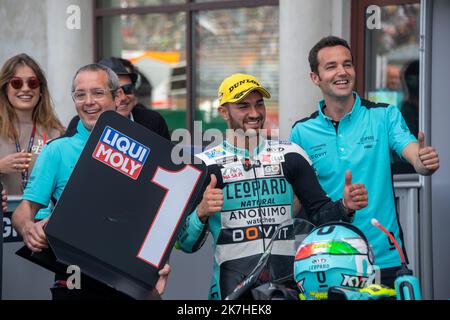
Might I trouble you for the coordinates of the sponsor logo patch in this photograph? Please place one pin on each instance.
(226, 160)
(272, 158)
(278, 142)
(353, 281)
(319, 267)
(231, 173)
(216, 152)
(319, 155)
(272, 170)
(121, 153)
(319, 260)
(275, 149)
(300, 285)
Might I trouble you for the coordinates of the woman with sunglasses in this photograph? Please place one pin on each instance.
(27, 120)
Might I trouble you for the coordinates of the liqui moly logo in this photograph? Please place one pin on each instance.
(121, 152)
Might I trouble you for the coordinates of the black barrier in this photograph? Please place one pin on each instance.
(119, 214)
(18, 274)
(9, 233)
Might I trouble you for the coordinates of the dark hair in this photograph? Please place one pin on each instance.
(330, 41)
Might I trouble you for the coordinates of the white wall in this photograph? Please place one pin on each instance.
(21, 30)
(39, 29)
(302, 24)
(68, 50)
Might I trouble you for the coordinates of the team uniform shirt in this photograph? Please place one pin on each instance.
(361, 143)
(54, 166)
(258, 195)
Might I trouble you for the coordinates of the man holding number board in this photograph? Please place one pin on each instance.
(95, 89)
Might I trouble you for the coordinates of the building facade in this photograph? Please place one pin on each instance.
(185, 48)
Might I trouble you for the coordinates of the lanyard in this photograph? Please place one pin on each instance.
(30, 146)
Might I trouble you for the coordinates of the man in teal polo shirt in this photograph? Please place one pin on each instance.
(350, 133)
(95, 89)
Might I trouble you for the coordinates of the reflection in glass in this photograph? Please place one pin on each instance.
(231, 41)
(392, 66)
(134, 3)
(155, 43)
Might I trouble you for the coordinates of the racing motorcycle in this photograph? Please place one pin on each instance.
(333, 261)
(272, 277)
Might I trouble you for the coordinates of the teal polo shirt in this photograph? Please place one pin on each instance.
(361, 144)
(53, 168)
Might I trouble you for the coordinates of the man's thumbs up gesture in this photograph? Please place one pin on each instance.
(355, 194)
(428, 160)
(212, 200)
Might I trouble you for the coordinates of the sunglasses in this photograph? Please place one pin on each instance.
(17, 83)
(128, 88)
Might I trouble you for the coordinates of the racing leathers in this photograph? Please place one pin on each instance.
(258, 193)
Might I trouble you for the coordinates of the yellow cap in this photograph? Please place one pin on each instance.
(237, 86)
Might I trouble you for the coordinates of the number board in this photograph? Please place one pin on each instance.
(119, 214)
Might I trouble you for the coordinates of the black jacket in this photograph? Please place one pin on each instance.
(152, 120)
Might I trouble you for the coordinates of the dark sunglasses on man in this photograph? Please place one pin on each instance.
(17, 83)
(128, 88)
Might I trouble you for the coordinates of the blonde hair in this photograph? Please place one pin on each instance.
(43, 113)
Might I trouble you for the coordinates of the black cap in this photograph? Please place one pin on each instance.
(115, 65)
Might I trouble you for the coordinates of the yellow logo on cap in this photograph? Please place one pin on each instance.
(240, 85)
(237, 84)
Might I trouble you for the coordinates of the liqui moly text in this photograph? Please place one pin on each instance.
(121, 153)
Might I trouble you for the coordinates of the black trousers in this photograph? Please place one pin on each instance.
(90, 290)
